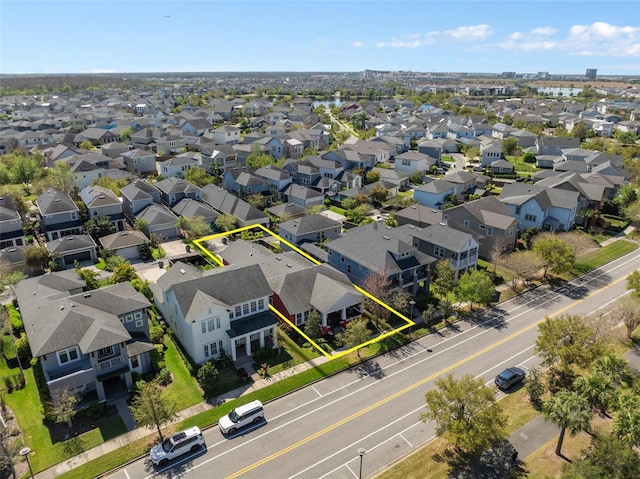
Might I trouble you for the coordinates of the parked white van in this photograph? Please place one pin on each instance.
(252, 412)
(189, 440)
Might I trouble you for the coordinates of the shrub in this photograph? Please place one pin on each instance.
(164, 376)
(16, 321)
(157, 334)
(208, 378)
(22, 347)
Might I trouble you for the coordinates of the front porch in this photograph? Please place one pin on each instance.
(251, 334)
(340, 318)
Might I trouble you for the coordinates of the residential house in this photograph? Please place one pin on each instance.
(196, 126)
(218, 158)
(176, 166)
(139, 161)
(349, 159)
(223, 309)
(302, 172)
(159, 221)
(96, 136)
(228, 204)
(12, 259)
(71, 248)
(277, 179)
(226, 135)
(293, 148)
(85, 173)
(190, 208)
(309, 229)
(375, 249)
(89, 341)
(490, 221)
(124, 243)
(445, 243)
(168, 143)
(430, 148)
(11, 232)
(102, 201)
(435, 194)
(490, 152)
(137, 195)
(501, 167)
(287, 211)
(554, 145)
(243, 181)
(548, 209)
(414, 162)
(173, 190)
(59, 215)
(303, 196)
(418, 215)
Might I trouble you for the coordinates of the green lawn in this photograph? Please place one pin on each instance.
(184, 389)
(406, 194)
(338, 210)
(604, 255)
(521, 166)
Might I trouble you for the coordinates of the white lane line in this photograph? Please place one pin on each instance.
(317, 392)
(406, 440)
(351, 471)
(126, 473)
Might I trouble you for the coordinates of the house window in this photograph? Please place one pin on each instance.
(211, 324)
(203, 325)
(342, 258)
(529, 217)
(406, 162)
(74, 215)
(238, 311)
(104, 352)
(261, 304)
(438, 251)
(489, 231)
(517, 210)
(134, 362)
(129, 318)
(253, 306)
(217, 318)
(348, 268)
(68, 355)
(139, 323)
(299, 321)
(466, 223)
(245, 308)
(482, 227)
(210, 349)
(509, 232)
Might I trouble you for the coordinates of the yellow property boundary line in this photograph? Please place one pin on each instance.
(328, 355)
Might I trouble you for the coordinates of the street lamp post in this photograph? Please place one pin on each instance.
(412, 303)
(24, 452)
(361, 452)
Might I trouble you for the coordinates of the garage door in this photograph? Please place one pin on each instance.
(85, 256)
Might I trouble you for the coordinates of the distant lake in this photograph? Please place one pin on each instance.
(555, 90)
(326, 103)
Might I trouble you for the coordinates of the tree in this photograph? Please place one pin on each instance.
(626, 424)
(475, 286)
(149, 408)
(9, 278)
(145, 251)
(194, 227)
(257, 158)
(416, 177)
(466, 413)
(141, 225)
(60, 178)
(62, 405)
(124, 272)
(535, 387)
(625, 137)
(567, 340)
(400, 301)
(379, 193)
(528, 235)
(598, 389)
(569, 411)
(36, 257)
(554, 253)
(627, 312)
(529, 157)
(579, 130)
(99, 226)
(24, 169)
(87, 145)
(444, 276)
(354, 335)
(90, 277)
(257, 200)
(521, 266)
(626, 196)
(198, 176)
(379, 287)
(226, 222)
(312, 327)
(372, 176)
(208, 378)
(509, 146)
(608, 456)
(581, 243)
(615, 368)
(9, 451)
(633, 282)
(125, 135)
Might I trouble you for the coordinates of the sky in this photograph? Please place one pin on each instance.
(122, 36)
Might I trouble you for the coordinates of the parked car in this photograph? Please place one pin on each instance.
(189, 440)
(478, 169)
(509, 378)
(241, 416)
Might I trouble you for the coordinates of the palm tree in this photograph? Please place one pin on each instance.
(570, 411)
(626, 425)
(598, 389)
(614, 367)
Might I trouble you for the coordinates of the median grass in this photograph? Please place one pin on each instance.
(429, 457)
(603, 256)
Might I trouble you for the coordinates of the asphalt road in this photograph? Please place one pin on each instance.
(316, 432)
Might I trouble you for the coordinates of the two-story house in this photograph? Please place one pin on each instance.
(414, 162)
(140, 161)
(11, 232)
(226, 135)
(59, 215)
(277, 180)
(375, 249)
(223, 309)
(548, 209)
(218, 158)
(445, 243)
(176, 166)
(435, 194)
(89, 341)
(136, 196)
(229, 204)
(309, 229)
(102, 201)
(489, 220)
(173, 190)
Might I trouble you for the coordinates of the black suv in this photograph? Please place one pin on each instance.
(509, 378)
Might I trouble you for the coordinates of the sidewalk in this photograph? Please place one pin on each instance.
(141, 432)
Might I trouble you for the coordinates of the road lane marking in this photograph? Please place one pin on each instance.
(317, 392)
(415, 385)
(406, 440)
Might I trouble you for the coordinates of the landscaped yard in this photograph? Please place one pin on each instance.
(184, 389)
(521, 166)
(605, 254)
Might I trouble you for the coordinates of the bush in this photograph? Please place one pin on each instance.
(157, 334)
(95, 411)
(16, 321)
(164, 377)
(22, 348)
(208, 378)
(8, 348)
(157, 358)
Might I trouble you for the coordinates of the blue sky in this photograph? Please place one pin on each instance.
(86, 36)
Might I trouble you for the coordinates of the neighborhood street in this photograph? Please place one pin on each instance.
(316, 432)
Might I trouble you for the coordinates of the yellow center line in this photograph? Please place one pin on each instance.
(412, 386)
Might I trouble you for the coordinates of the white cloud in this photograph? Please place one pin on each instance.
(357, 44)
(470, 34)
(416, 40)
(597, 39)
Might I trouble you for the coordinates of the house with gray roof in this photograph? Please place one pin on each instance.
(89, 341)
(137, 195)
(190, 208)
(159, 220)
(303, 196)
(139, 161)
(58, 214)
(376, 249)
(445, 243)
(490, 222)
(102, 201)
(309, 229)
(176, 166)
(71, 248)
(548, 209)
(174, 190)
(223, 309)
(228, 204)
(124, 243)
(11, 232)
(434, 194)
(418, 215)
